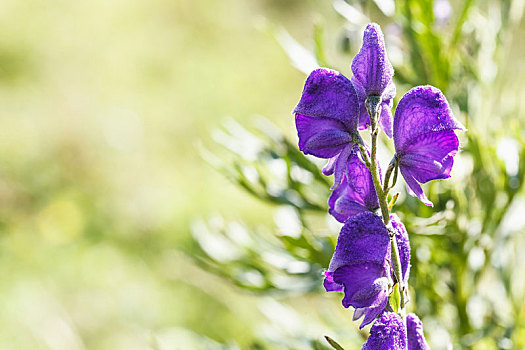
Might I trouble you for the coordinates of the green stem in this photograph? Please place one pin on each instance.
(373, 104)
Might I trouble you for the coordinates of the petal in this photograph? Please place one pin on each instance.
(358, 313)
(415, 336)
(329, 168)
(330, 285)
(372, 313)
(356, 193)
(341, 165)
(363, 238)
(388, 333)
(365, 284)
(364, 118)
(371, 66)
(403, 245)
(429, 157)
(386, 119)
(329, 94)
(420, 111)
(321, 137)
(413, 187)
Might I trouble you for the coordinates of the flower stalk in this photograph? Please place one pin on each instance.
(372, 104)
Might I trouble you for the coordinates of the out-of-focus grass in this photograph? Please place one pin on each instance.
(101, 106)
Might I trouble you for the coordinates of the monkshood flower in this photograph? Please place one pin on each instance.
(326, 118)
(415, 336)
(424, 138)
(388, 333)
(360, 264)
(356, 193)
(360, 267)
(373, 77)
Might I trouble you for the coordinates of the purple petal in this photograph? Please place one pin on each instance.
(429, 157)
(363, 238)
(341, 166)
(329, 283)
(388, 333)
(365, 284)
(415, 336)
(356, 195)
(403, 245)
(372, 313)
(413, 187)
(371, 67)
(321, 137)
(420, 111)
(329, 94)
(386, 119)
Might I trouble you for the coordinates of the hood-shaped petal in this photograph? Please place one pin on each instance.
(424, 138)
(363, 238)
(422, 110)
(403, 245)
(329, 94)
(356, 193)
(415, 336)
(371, 67)
(387, 333)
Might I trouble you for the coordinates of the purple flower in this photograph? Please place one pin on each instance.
(424, 138)
(373, 77)
(326, 118)
(416, 338)
(356, 193)
(388, 333)
(360, 266)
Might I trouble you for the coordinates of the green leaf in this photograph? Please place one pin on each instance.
(395, 298)
(333, 343)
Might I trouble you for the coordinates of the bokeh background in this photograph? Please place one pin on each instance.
(133, 139)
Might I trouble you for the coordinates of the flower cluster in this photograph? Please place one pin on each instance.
(371, 262)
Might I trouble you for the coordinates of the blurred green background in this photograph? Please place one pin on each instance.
(102, 105)
(106, 111)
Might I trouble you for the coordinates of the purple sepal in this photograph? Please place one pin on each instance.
(403, 245)
(424, 138)
(329, 284)
(387, 333)
(356, 193)
(360, 265)
(329, 94)
(363, 238)
(415, 335)
(365, 284)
